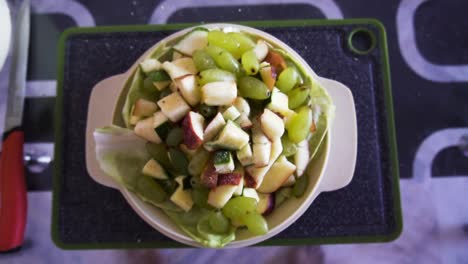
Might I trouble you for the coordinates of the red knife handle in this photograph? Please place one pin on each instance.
(13, 198)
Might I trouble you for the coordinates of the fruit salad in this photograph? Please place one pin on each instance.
(220, 127)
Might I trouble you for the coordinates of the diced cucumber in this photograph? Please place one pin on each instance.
(223, 161)
(154, 169)
(192, 41)
(150, 65)
(244, 155)
(231, 113)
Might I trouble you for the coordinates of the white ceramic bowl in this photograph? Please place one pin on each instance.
(332, 170)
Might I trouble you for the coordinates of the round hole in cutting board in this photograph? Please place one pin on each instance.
(361, 41)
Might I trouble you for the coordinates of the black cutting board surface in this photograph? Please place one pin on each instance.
(88, 215)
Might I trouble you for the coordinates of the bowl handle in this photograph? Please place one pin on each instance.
(106, 92)
(343, 142)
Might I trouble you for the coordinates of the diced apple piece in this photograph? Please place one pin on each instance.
(249, 181)
(161, 85)
(189, 89)
(219, 93)
(258, 137)
(195, 40)
(220, 195)
(193, 130)
(214, 127)
(279, 172)
(176, 55)
(150, 65)
(187, 64)
(301, 158)
(244, 122)
(251, 192)
(181, 197)
(233, 178)
(272, 125)
(242, 106)
(240, 187)
(145, 129)
(268, 74)
(259, 173)
(209, 177)
(261, 50)
(245, 156)
(134, 119)
(144, 108)
(231, 113)
(180, 67)
(174, 106)
(279, 103)
(261, 154)
(161, 125)
(266, 204)
(232, 137)
(289, 182)
(154, 169)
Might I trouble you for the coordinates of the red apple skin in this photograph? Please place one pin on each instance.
(271, 204)
(276, 60)
(191, 139)
(209, 177)
(233, 178)
(269, 76)
(249, 181)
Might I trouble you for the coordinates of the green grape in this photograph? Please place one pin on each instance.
(169, 186)
(159, 153)
(223, 40)
(223, 59)
(250, 62)
(207, 111)
(218, 222)
(178, 160)
(287, 79)
(215, 75)
(245, 43)
(200, 197)
(198, 162)
(175, 137)
(281, 195)
(289, 147)
(251, 87)
(298, 96)
(301, 185)
(148, 85)
(298, 126)
(255, 223)
(203, 60)
(149, 188)
(238, 206)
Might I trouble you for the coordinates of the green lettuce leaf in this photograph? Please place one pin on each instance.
(121, 155)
